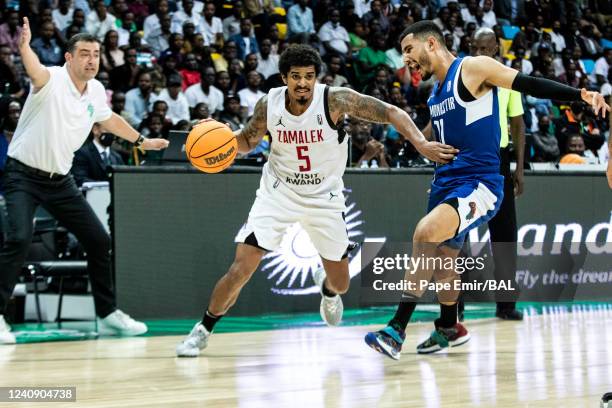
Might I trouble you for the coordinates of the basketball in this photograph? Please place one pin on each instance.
(211, 146)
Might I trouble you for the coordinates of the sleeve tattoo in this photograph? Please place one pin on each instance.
(256, 127)
(368, 108)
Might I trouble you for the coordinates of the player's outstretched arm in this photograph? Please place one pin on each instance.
(38, 73)
(346, 101)
(255, 129)
(492, 73)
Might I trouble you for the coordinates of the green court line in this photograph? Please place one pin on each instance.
(82, 330)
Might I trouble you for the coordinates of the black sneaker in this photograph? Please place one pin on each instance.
(509, 314)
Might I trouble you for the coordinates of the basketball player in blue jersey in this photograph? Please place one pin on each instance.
(467, 191)
(302, 182)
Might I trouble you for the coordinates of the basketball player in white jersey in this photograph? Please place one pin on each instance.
(302, 182)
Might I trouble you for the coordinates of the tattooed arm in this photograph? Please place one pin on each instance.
(255, 129)
(346, 101)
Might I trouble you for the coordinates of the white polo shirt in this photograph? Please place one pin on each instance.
(55, 122)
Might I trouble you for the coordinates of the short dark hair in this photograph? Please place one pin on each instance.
(84, 37)
(299, 55)
(423, 29)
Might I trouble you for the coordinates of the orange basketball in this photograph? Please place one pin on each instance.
(211, 146)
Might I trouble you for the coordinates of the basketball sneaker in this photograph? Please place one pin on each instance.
(387, 341)
(6, 337)
(195, 341)
(120, 324)
(444, 337)
(331, 307)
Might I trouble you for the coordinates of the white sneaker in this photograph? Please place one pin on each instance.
(331, 307)
(120, 324)
(196, 340)
(6, 337)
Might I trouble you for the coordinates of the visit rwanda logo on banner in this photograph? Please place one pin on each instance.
(292, 266)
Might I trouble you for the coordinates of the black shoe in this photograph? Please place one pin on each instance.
(509, 314)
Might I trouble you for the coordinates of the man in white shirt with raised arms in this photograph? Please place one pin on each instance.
(59, 113)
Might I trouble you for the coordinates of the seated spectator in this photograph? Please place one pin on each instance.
(223, 82)
(140, 9)
(128, 26)
(364, 149)
(371, 57)
(468, 14)
(602, 67)
(112, 55)
(139, 101)
(526, 65)
(178, 107)
(46, 47)
(152, 128)
(153, 21)
(200, 112)
(10, 80)
(125, 77)
(334, 37)
(188, 14)
(237, 77)
(489, 19)
(211, 27)
(62, 15)
(375, 13)
(394, 57)
(161, 108)
(357, 38)
(100, 21)
(6, 135)
(267, 64)
(300, 20)
(544, 142)
(231, 24)
(246, 42)
(334, 69)
(11, 31)
(92, 159)
(159, 37)
(189, 32)
(205, 92)
(232, 113)
(189, 72)
(118, 106)
(588, 43)
(574, 150)
(230, 52)
(104, 80)
(569, 77)
(251, 94)
(577, 120)
(557, 37)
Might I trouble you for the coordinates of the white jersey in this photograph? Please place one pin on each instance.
(308, 154)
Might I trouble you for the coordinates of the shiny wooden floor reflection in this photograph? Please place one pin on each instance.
(551, 360)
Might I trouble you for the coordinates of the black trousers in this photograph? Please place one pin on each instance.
(503, 230)
(24, 191)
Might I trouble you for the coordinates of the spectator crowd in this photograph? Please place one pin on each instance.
(167, 64)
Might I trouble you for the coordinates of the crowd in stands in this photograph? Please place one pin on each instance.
(167, 64)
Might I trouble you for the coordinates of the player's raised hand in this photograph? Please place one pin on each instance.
(26, 34)
(154, 144)
(438, 152)
(596, 100)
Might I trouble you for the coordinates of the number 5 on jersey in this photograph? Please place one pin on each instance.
(302, 154)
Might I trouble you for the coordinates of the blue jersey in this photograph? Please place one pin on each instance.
(472, 127)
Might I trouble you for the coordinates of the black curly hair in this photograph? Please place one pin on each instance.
(299, 55)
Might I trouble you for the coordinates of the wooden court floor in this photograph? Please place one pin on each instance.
(550, 360)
